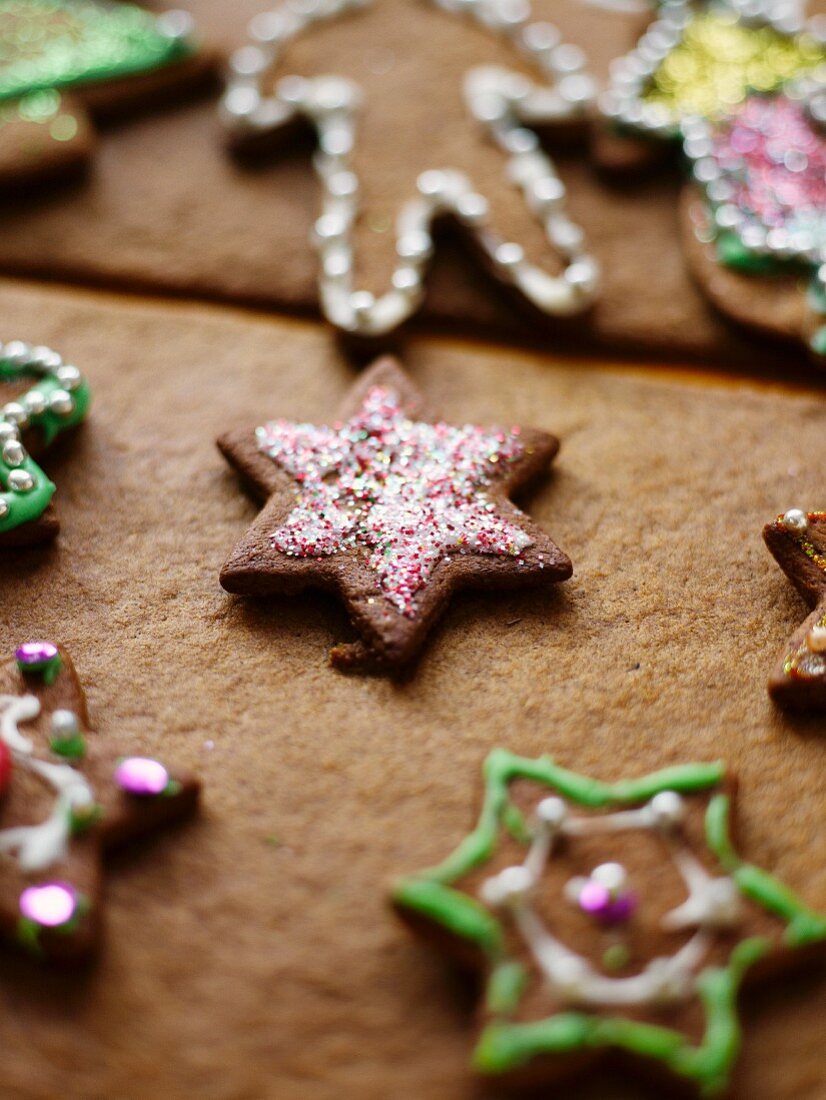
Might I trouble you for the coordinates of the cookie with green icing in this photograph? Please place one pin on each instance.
(609, 921)
(68, 797)
(797, 541)
(64, 62)
(42, 399)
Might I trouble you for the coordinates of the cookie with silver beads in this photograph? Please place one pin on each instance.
(797, 541)
(754, 220)
(505, 106)
(43, 398)
(610, 922)
(66, 63)
(67, 797)
(699, 61)
(393, 510)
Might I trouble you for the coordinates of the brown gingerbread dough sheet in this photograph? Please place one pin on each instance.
(167, 209)
(253, 954)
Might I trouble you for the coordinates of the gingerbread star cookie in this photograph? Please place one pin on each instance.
(798, 542)
(608, 921)
(392, 510)
(66, 798)
(43, 398)
(63, 62)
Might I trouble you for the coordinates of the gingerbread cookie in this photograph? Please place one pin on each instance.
(797, 541)
(608, 920)
(31, 419)
(65, 799)
(739, 85)
(506, 105)
(62, 61)
(391, 510)
(761, 172)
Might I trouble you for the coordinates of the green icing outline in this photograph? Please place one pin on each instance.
(504, 1045)
(28, 507)
(130, 27)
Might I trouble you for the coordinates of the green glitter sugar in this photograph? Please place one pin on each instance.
(47, 44)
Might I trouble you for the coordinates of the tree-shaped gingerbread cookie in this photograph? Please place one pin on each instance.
(740, 85)
(67, 796)
(65, 62)
(43, 398)
(609, 921)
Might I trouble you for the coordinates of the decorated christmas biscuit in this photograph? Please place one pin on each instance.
(392, 510)
(63, 59)
(609, 920)
(66, 798)
(700, 60)
(798, 542)
(761, 172)
(44, 397)
(506, 105)
(740, 84)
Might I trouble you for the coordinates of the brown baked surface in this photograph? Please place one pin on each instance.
(172, 211)
(253, 953)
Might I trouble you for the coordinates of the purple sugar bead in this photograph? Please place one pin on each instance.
(34, 654)
(596, 900)
(139, 775)
(49, 905)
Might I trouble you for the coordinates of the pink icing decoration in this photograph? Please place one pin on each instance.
(49, 905)
(776, 160)
(409, 492)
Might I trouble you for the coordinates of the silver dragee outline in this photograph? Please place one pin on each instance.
(503, 101)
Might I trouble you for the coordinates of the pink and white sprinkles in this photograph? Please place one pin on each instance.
(775, 159)
(410, 492)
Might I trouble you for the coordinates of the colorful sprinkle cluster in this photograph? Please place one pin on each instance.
(409, 492)
(720, 59)
(57, 43)
(774, 161)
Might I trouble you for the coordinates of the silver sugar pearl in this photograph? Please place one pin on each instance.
(796, 521)
(4, 507)
(34, 402)
(65, 723)
(61, 403)
(69, 377)
(667, 809)
(14, 453)
(16, 414)
(21, 481)
(17, 352)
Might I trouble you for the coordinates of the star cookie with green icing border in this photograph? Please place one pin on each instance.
(392, 510)
(41, 399)
(797, 541)
(609, 920)
(64, 62)
(67, 797)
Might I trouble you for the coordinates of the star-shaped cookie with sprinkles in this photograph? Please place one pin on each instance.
(609, 921)
(392, 510)
(797, 540)
(66, 798)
